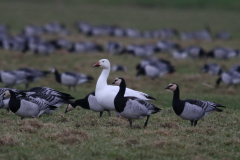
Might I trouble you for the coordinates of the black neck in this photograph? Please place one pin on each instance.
(82, 103)
(120, 101)
(176, 94)
(14, 103)
(57, 76)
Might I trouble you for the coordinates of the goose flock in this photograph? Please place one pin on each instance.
(125, 102)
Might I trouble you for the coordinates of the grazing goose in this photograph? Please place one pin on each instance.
(105, 94)
(4, 101)
(191, 109)
(50, 96)
(89, 102)
(11, 78)
(26, 106)
(222, 53)
(212, 68)
(229, 78)
(36, 74)
(195, 51)
(132, 107)
(71, 79)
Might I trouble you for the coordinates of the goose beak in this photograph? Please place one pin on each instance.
(167, 87)
(97, 64)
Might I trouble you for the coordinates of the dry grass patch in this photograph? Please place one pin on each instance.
(30, 125)
(8, 141)
(117, 121)
(131, 142)
(69, 137)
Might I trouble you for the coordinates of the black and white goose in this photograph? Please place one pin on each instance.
(212, 68)
(71, 79)
(49, 96)
(191, 109)
(4, 101)
(34, 73)
(231, 77)
(132, 107)
(89, 102)
(26, 106)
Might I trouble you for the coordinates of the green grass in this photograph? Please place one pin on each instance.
(81, 134)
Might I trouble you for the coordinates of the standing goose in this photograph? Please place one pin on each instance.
(26, 106)
(89, 102)
(105, 94)
(132, 107)
(71, 79)
(191, 109)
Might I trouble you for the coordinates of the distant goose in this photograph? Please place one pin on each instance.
(195, 51)
(191, 109)
(231, 77)
(71, 79)
(26, 106)
(113, 47)
(12, 78)
(132, 107)
(212, 68)
(89, 102)
(222, 53)
(154, 68)
(105, 93)
(167, 45)
(118, 68)
(180, 54)
(224, 35)
(36, 74)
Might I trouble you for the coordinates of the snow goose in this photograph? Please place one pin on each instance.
(132, 107)
(105, 93)
(71, 79)
(26, 106)
(191, 109)
(89, 102)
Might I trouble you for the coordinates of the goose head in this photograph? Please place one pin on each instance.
(70, 107)
(104, 63)
(172, 87)
(117, 81)
(52, 70)
(6, 94)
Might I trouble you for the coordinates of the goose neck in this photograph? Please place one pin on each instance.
(122, 89)
(176, 94)
(102, 80)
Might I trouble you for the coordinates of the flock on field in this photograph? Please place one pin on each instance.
(125, 102)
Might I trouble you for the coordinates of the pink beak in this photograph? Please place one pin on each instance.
(97, 64)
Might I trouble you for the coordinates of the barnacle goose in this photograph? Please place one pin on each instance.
(222, 53)
(26, 106)
(191, 109)
(118, 68)
(195, 51)
(71, 79)
(231, 77)
(4, 101)
(89, 102)
(132, 107)
(154, 68)
(105, 93)
(11, 78)
(212, 68)
(36, 74)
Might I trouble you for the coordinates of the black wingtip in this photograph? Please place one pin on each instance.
(150, 97)
(52, 107)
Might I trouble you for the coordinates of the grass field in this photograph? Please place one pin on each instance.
(81, 134)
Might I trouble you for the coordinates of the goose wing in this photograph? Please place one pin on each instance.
(204, 105)
(132, 93)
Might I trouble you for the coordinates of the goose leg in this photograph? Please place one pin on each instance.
(8, 110)
(195, 123)
(109, 113)
(22, 118)
(130, 122)
(101, 114)
(191, 123)
(145, 125)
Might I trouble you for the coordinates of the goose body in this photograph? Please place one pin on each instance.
(71, 79)
(89, 102)
(105, 94)
(231, 77)
(26, 106)
(132, 107)
(212, 68)
(191, 109)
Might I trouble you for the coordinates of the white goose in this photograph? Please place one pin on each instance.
(106, 94)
